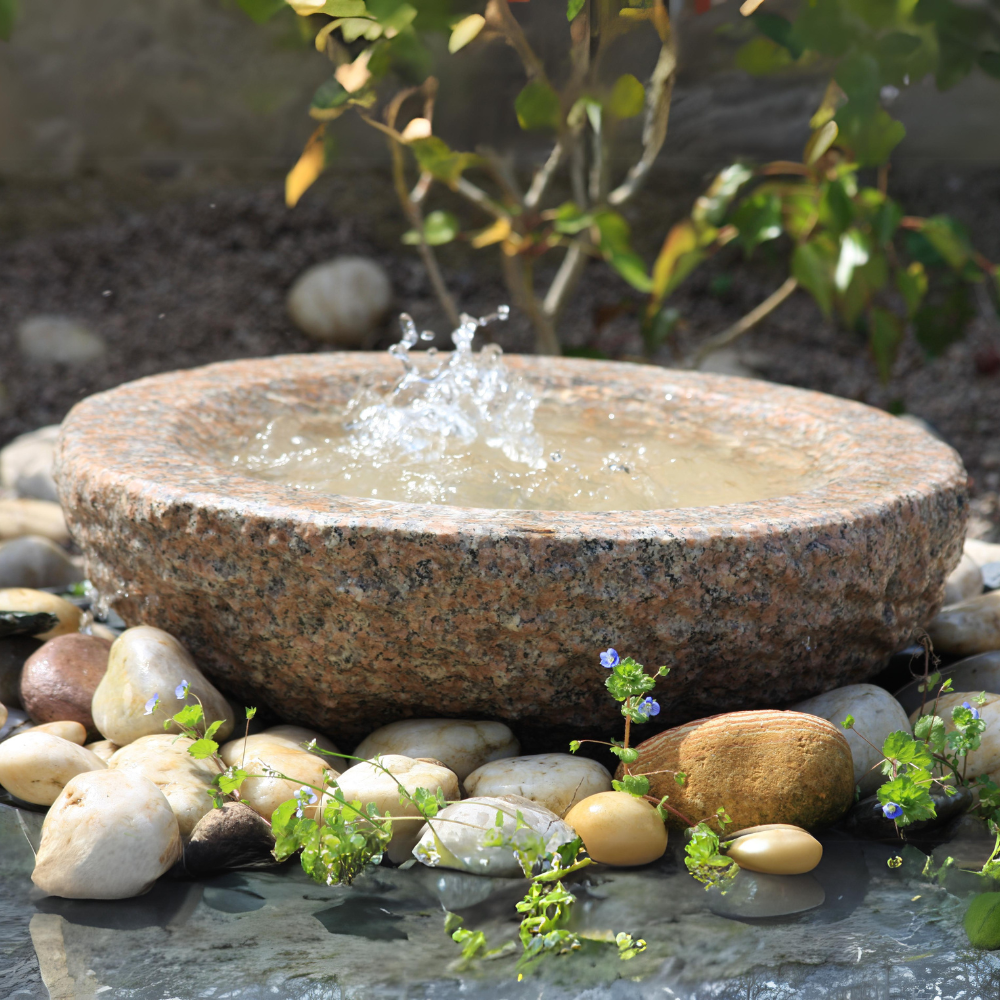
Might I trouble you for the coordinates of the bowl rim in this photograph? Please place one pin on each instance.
(130, 441)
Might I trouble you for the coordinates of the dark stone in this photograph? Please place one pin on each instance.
(26, 623)
(227, 839)
(59, 680)
(14, 650)
(363, 916)
(866, 818)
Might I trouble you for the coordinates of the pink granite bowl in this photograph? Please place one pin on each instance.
(344, 613)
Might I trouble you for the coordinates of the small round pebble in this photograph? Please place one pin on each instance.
(59, 679)
(776, 850)
(64, 728)
(36, 766)
(26, 599)
(619, 829)
(104, 749)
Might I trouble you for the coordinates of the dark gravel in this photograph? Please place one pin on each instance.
(190, 283)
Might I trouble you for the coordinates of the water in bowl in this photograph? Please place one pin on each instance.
(461, 429)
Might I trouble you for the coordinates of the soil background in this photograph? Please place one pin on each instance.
(203, 280)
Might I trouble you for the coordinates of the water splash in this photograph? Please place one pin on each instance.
(456, 402)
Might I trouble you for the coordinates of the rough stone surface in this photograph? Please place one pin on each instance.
(59, 679)
(33, 561)
(345, 613)
(763, 767)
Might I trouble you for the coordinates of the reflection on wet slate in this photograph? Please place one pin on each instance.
(232, 893)
(363, 916)
(166, 903)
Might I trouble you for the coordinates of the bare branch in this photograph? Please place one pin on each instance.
(517, 274)
(478, 196)
(741, 326)
(499, 16)
(543, 175)
(565, 281)
(421, 188)
(499, 167)
(654, 132)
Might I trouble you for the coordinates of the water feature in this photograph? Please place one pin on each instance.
(462, 429)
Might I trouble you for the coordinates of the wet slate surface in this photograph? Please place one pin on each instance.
(879, 933)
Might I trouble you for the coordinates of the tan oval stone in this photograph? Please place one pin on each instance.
(3, 714)
(454, 838)
(33, 517)
(619, 829)
(876, 714)
(64, 728)
(368, 783)
(109, 835)
(25, 599)
(461, 745)
(782, 850)
(264, 793)
(36, 766)
(555, 780)
(982, 552)
(60, 678)
(968, 627)
(185, 781)
(964, 581)
(763, 767)
(290, 737)
(145, 661)
(297, 735)
(103, 748)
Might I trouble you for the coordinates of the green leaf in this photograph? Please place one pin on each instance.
(329, 95)
(813, 266)
(853, 253)
(8, 15)
(615, 237)
(465, 31)
(570, 219)
(886, 221)
(931, 729)
(778, 29)
(858, 77)
(902, 747)
(573, 7)
(989, 62)
(627, 755)
(574, 745)
(942, 319)
(632, 784)
(537, 106)
(657, 331)
(203, 748)
(628, 97)
(911, 283)
(912, 795)
(439, 228)
(259, 11)
(848, 723)
(762, 57)
(884, 335)
(632, 268)
(836, 210)
(949, 238)
(345, 8)
(871, 137)
(395, 15)
(758, 220)
(434, 155)
(819, 142)
(213, 728)
(711, 207)
(232, 780)
(822, 27)
(250, 713)
(680, 777)
(188, 717)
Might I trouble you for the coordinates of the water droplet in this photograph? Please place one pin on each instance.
(428, 335)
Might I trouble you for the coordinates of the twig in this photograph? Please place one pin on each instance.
(543, 175)
(741, 326)
(479, 197)
(565, 280)
(502, 174)
(517, 274)
(654, 132)
(498, 14)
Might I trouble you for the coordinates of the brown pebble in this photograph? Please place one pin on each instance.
(619, 829)
(59, 680)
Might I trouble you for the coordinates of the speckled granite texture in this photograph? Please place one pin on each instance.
(345, 613)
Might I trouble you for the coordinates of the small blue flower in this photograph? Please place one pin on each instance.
(304, 797)
(974, 711)
(648, 707)
(892, 810)
(181, 691)
(151, 705)
(610, 659)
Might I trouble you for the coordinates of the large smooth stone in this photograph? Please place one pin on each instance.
(109, 835)
(341, 301)
(460, 744)
(26, 599)
(263, 793)
(298, 735)
(982, 552)
(776, 850)
(876, 714)
(14, 652)
(34, 561)
(145, 661)
(65, 729)
(226, 839)
(26, 466)
(59, 679)
(974, 673)
(454, 839)
(964, 581)
(36, 766)
(763, 767)
(554, 780)
(756, 896)
(968, 627)
(985, 759)
(368, 783)
(41, 518)
(185, 781)
(619, 829)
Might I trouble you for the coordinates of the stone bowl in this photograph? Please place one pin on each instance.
(344, 613)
